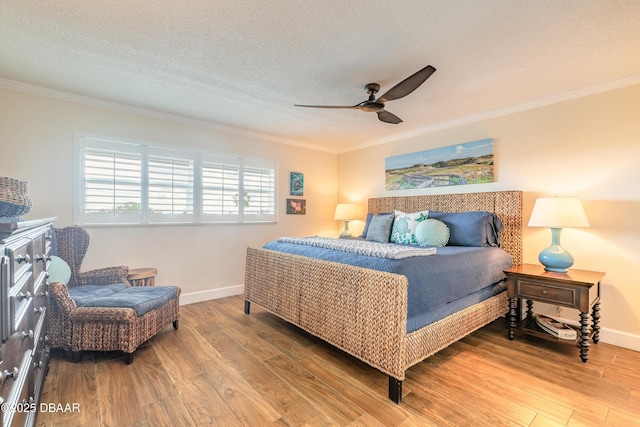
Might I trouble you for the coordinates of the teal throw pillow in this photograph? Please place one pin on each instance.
(404, 226)
(432, 233)
(59, 271)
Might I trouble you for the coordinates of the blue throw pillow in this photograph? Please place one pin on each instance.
(432, 233)
(366, 225)
(380, 228)
(473, 228)
(368, 222)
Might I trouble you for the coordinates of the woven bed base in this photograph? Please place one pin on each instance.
(364, 312)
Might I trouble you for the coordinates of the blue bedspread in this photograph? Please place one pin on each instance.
(453, 272)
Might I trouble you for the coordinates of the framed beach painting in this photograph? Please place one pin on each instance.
(461, 164)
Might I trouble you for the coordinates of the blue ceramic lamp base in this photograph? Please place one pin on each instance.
(555, 258)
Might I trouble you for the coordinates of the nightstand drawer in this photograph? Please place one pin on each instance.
(545, 293)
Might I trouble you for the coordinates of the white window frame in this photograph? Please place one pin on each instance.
(198, 191)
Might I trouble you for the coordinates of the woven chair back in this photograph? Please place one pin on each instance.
(72, 244)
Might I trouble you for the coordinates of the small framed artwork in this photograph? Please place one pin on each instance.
(296, 184)
(296, 206)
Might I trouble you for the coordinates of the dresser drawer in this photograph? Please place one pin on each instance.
(23, 322)
(21, 304)
(20, 259)
(546, 293)
(15, 389)
(41, 255)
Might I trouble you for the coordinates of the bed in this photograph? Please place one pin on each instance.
(363, 311)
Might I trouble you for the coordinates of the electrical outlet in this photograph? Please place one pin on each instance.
(558, 311)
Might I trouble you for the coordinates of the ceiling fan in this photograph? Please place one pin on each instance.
(400, 90)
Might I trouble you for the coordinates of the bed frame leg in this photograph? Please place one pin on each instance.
(247, 306)
(395, 389)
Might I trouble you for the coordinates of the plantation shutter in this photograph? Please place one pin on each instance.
(259, 184)
(110, 182)
(221, 189)
(118, 182)
(171, 185)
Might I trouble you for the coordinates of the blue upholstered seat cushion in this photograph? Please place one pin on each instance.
(140, 298)
(82, 294)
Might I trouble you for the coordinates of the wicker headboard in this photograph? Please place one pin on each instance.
(506, 204)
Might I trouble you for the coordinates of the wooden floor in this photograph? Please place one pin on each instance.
(225, 368)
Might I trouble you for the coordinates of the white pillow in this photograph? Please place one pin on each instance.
(404, 226)
(432, 233)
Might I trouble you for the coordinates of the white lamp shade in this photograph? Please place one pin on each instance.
(346, 212)
(558, 212)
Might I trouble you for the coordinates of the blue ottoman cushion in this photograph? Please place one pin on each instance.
(140, 298)
(82, 294)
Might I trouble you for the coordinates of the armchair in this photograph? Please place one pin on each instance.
(72, 244)
(99, 310)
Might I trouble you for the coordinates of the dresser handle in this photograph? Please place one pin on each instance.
(544, 292)
(27, 334)
(38, 364)
(43, 258)
(13, 374)
(23, 295)
(23, 258)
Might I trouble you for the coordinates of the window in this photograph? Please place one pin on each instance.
(125, 183)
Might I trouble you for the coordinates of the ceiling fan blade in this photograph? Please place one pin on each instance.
(325, 106)
(387, 117)
(408, 85)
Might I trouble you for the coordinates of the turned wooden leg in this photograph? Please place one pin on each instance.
(596, 322)
(395, 389)
(247, 306)
(529, 309)
(584, 337)
(513, 312)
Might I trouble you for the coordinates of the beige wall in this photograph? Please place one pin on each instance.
(587, 147)
(37, 137)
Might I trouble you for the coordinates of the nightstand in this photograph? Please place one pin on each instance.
(579, 289)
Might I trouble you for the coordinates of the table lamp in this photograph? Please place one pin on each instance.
(346, 212)
(557, 213)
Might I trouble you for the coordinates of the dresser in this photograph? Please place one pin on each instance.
(25, 253)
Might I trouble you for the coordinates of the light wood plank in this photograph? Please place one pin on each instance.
(117, 394)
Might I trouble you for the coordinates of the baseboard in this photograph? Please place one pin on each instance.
(193, 297)
(620, 339)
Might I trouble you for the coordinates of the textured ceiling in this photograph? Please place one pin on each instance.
(243, 64)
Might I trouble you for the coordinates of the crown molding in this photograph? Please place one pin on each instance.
(154, 114)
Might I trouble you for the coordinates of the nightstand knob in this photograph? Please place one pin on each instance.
(544, 292)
